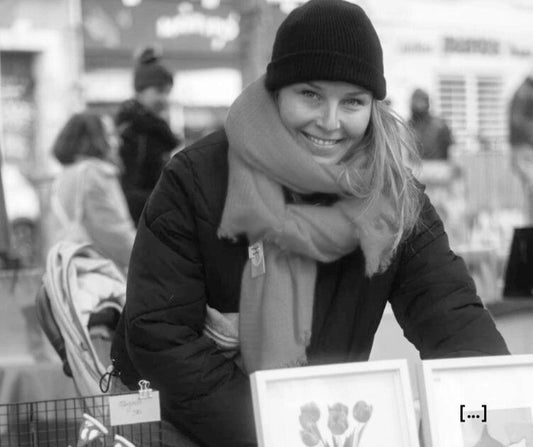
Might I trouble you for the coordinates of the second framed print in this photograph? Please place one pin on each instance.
(478, 401)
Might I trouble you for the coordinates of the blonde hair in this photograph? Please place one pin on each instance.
(390, 152)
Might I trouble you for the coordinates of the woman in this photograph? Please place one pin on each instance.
(87, 203)
(302, 220)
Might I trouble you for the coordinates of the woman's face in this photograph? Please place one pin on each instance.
(327, 117)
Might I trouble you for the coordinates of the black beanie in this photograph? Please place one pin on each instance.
(149, 72)
(329, 40)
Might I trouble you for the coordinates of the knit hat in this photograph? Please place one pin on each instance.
(149, 72)
(329, 40)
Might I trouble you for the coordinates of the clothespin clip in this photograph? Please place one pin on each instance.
(145, 392)
(90, 430)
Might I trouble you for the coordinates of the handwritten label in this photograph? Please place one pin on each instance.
(257, 258)
(132, 409)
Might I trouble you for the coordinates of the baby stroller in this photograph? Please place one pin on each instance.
(78, 307)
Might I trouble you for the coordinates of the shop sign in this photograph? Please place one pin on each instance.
(484, 46)
(172, 26)
(218, 30)
(489, 47)
(520, 51)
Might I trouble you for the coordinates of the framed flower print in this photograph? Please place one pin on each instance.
(339, 405)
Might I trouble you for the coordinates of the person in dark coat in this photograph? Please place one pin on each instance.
(433, 136)
(147, 139)
(521, 140)
(279, 240)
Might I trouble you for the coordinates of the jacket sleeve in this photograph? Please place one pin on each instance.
(107, 218)
(202, 391)
(156, 126)
(434, 298)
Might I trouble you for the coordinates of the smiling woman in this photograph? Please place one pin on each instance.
(278, 240)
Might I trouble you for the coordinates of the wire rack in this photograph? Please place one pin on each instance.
(56, 423)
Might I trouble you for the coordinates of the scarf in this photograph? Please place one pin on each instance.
(276, 307)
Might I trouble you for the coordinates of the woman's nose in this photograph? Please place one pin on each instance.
(329, 119)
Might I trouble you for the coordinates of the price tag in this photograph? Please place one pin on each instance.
(135, 408)
(257, 259)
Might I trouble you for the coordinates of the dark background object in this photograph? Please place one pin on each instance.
(519, 271)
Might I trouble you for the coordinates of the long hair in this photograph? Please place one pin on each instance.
(390, 153)
(82, 135)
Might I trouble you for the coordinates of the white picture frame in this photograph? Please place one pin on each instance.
(477, 400)
(371, 401)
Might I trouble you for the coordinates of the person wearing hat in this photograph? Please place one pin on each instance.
(432, 134)
(147, 139)
(278, 241)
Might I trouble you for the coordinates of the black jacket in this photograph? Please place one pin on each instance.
(521, 115)
(179, 264)
(146, 142)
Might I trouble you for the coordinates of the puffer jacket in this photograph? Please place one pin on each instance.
(179, 265)
(146, 142)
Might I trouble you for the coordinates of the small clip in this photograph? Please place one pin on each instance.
(145, 392)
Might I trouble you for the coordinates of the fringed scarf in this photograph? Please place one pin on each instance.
(276, 308)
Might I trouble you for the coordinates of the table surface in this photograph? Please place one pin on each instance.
(26, 378)
(507, 306)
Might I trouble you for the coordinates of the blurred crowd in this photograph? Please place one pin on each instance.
(114, 161)
(123, 155)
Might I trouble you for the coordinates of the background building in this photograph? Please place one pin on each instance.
(200, 43)
(40, 71)
(57, 56)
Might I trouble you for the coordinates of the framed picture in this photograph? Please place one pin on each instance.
(477, 401)
(363, 404)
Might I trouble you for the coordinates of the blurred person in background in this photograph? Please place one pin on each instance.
(87, 202)
(441, 177)
(147, 139)
(278, 241)
(521, 140)
(432, 134)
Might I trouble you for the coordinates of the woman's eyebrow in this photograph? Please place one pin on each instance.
(312, 84)
(358, 91)
(353, 91)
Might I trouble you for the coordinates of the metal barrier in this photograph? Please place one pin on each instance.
(73, 422)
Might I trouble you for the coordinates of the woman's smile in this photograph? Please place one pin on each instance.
(322, 142)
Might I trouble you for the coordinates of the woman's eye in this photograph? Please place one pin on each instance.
(309, 94)
(353, 102)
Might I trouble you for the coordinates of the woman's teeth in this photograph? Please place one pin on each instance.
(321, 142)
